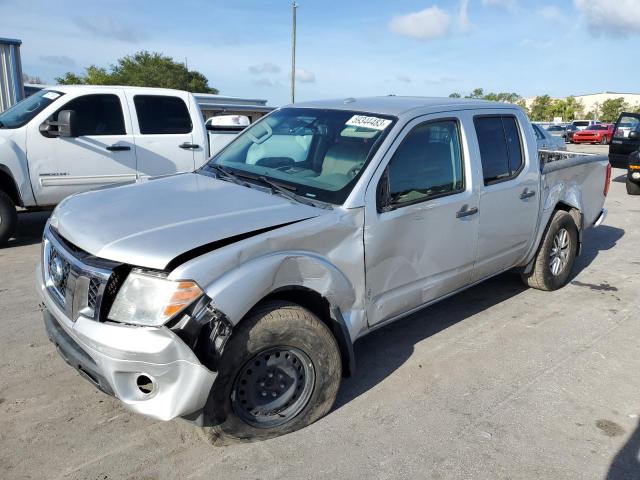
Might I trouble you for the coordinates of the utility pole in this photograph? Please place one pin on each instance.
(294, 7)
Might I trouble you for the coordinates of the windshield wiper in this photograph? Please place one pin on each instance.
(287, 191)
(227, 174)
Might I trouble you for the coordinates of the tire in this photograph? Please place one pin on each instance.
(604, 141)
(8, 218)
(542, 276)
(632, 187)
(268, 334)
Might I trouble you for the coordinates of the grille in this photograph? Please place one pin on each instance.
(59, 272)
(92, 294)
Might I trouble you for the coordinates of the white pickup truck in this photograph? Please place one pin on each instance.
(69, 139)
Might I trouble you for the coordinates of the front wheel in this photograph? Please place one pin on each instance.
(604, 141)
(8, 218)
(632, 187)
(279, 372)
(556, 254)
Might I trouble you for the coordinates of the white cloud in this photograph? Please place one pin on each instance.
(266, 67)
(551, 13)
(305, 76)
(507, 4)
(426, 24)
(63, 60)
(267, 82)
(463, 16)
(404, 78)
(616, 19)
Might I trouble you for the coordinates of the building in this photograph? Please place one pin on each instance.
(593, 101)
(11, 87)
(213, 105)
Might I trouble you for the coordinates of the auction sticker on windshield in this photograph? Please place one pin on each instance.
(364, 121)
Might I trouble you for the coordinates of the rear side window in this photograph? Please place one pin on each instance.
(500, 147)
(162, 115)
(96, 115)
(427, 164)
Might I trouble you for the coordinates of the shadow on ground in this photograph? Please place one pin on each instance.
(29, 229)
(379, 354)
(626, 463)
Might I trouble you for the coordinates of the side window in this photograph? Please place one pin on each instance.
(162, 115)
(500, 147)
(538, 132)
(99, 114)
(427, 164)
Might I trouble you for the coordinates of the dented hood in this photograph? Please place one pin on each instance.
(150, 224)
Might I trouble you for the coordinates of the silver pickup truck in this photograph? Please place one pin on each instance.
(232, 296)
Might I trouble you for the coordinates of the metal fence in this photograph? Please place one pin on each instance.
(11, 87)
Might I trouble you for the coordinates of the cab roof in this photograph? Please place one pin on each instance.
(397, 105)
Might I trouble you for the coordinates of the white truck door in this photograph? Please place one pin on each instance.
(420, 237)
(509, 198)
(163, 132)
(103, 152)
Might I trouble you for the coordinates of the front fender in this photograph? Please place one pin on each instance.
(237, 291)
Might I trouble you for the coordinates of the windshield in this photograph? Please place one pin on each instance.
(581, 124)
(319, 154)
(22, 112)
(597, 127)
(556, 128)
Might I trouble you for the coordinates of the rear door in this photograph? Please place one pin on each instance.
(509, 197)
(163, 132)
(103, 153)
(622, 143)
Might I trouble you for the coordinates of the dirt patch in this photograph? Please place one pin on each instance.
(609, 428)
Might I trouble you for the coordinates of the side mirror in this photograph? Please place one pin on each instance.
(634, 135)
(228, 122)
(66, 122)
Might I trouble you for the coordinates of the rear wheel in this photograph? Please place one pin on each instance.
(632, 187)
(8, 218)
(279, 372)
(556, 254)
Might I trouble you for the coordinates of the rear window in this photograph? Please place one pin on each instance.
(159, 115)
(500, 147)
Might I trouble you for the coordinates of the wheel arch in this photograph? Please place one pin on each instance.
(302, 278)
(8, 185)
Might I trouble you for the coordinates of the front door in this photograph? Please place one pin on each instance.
(103, 152)
(164, 133)
(509, 198)
(420, 233)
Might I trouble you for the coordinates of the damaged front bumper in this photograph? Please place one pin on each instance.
(151, 370)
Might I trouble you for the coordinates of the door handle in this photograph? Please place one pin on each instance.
(189, 146)
(118, 148)
(527, 194)
(465, 211)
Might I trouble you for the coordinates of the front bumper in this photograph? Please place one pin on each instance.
(113, 357)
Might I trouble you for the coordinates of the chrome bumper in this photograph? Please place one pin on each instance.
(116, 355)
(600, 220)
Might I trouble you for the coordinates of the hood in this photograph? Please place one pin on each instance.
(149, 224)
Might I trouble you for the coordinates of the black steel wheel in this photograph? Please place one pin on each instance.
(280, 371)
(273, 387)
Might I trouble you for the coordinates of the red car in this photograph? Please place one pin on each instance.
(599, 133)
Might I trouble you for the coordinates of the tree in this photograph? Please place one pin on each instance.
(476, 93)
(26, 78)
(612, 108)
(143, 69)
(541, 109)
(455, 95)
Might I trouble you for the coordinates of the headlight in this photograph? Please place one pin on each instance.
(151, 300)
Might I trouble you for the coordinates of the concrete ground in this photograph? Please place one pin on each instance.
(498, 382)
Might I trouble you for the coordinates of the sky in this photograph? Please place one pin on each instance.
(346, 48)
